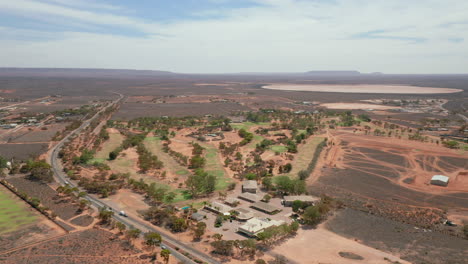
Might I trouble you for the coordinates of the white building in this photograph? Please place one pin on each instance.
(255, 226)
(440, 180)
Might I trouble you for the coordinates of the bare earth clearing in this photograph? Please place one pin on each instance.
(386, 89)
(356, 106)
(325, 248)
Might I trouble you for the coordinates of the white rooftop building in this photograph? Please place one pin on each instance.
(255, 226)
(440, 180)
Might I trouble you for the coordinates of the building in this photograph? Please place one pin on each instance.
(243, 214)
(440, 180)
(249, 186)
(219, 208)
(255, 226)
(310, 200)
(198, 216)
(249, 197)
(266, 208)
(231, 201)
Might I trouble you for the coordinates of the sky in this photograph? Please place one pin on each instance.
(229, 36)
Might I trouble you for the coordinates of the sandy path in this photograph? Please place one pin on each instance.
(362, 88)
(324, 247)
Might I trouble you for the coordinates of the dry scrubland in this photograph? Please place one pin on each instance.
(375, 89)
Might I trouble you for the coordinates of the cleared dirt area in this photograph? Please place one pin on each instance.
(381, 89)
(413, 244)
(89, 246)
(356, 106)
(22, 151)
(326, 246)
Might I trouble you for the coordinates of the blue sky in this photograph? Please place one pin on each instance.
(217, 36)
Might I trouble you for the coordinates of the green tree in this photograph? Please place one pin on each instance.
(153, 239)
(40, 170)
(105, 215)
(133, 233)
(121, 227)
(165, 254)
(197, 162)
(199, 230)
(311, 215)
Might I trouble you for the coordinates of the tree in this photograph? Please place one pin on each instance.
(260, 261)
(40, 170)
(178, 224)
(296, 205)
(121, 227)
(199, 230)
(165, 254)
(133, 233)
(311, 215)
(266, 198)
(153, 239)
(3, 162)
(113, 155)
(201, 183)
(197, 162)
(105, 215)
(217, 237)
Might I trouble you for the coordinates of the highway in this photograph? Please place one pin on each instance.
(168, 241)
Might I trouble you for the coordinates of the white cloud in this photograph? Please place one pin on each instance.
(281, 35)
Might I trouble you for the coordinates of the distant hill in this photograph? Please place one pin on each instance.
(341, 73)
(71, 72)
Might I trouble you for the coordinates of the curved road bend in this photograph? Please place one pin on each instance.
(129, 221)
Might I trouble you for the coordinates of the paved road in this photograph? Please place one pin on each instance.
(168, 241)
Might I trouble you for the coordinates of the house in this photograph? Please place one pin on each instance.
(440, 180)
(219, 208)
(255, 226)
(198, 216)
(231, 201)
(249, 186)
(249, 197)
(266, 208)
(310, 200)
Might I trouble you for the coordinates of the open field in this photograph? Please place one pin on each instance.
(329, 248)
(14, 213)
(115, 140)
(20, 224)
(22, 151)
(384, 89)
(356, 106)
(412, 244)
(85, 247)
(215, 167)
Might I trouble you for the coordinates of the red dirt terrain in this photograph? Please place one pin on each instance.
(391, 177)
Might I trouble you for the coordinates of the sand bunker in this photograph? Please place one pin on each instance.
(356, 106)
(367, 88)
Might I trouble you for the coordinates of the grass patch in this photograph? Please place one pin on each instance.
(14, 214)
(305, 154)
(115, 140)
(278, 148)
(248, 125)
(214, 166)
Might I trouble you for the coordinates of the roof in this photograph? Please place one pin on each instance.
(265, 207)
(249, 184)
(231, 200)
(198, 216)
(219, 207)
(440, 178)
(244, 214)
(249, 196)
(303, 198)
(255, 225)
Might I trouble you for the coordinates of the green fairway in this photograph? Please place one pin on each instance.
(279, 148)
(248, 125)
(305, 154)
(115, 140)
(14, 213)
(214, 166)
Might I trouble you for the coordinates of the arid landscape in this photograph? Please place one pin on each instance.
(177, 156)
